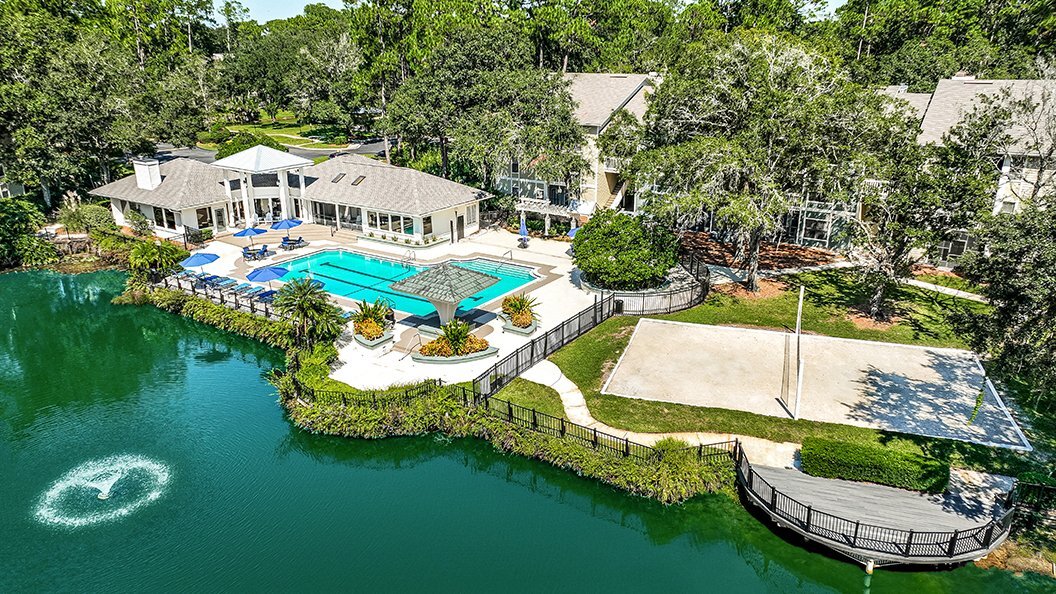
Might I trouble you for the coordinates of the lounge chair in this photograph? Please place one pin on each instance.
(239, 288)
(267, 296)
(251, 293)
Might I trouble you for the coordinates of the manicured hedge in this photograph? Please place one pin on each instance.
(874, 464)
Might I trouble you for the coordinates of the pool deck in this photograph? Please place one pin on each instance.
(556, 290)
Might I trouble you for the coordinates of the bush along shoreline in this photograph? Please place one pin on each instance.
(674, 477)
(319, 404)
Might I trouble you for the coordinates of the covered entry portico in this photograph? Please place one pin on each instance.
(258, 185)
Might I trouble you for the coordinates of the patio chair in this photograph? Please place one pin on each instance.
(262, 253)
(248, 254)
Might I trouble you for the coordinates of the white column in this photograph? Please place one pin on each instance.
(306, 210)
(284, 194)
(247, 200)
(546, 225)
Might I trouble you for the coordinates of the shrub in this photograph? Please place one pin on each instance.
(457, 333)
(273, 333)
(369, 329)
(80, 217)
(137, 222)
(377, 312)
(520, 309)
(35, 251)
(437, 348)
(621, 251)
(873, 463)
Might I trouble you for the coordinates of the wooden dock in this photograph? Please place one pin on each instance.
(873, 524)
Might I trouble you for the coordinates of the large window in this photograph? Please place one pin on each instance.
(202, 215)
(471, 214)
(817, 229)
(164, 218)
(393, 223)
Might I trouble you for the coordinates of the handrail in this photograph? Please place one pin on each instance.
(868, 538)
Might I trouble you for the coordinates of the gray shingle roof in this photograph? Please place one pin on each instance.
(916, 103)
(954, 98)
(384, 187)
(446, 283)
(599, 95)
(185, 183)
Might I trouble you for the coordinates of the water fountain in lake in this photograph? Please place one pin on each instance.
(102, 490)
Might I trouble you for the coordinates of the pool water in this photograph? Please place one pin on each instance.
(366, 278)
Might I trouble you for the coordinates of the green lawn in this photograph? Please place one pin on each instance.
(924, 320)
(952, 282)
(532, 395)
(287, 130)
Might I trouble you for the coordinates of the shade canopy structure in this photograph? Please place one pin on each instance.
(261, 159)
(199, 259)
(445, 286)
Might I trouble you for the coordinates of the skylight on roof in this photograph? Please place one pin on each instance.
(358, 180)
(338, 178)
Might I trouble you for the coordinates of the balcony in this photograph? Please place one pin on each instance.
(615, 165)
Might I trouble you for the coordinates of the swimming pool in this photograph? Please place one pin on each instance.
(360, 277)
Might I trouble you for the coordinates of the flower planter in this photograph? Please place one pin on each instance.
(377, 347)
(508, 326)
(488, 352)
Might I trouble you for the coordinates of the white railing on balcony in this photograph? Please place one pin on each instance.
(614, 164)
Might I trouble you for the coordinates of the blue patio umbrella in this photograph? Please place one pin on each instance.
(267, 274)
(286, 225)
(572, 232)
(250, 232)
(199, 259)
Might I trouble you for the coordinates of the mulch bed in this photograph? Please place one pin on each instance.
(771, 256)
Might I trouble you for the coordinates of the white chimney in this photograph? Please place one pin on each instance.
(148, 173)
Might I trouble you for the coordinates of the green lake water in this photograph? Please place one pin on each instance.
(250, 503)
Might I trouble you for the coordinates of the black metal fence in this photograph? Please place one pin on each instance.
(691, 294)
(622, 447)
(519, 361)
(1035, 509)
(221, 296)
(855, 535)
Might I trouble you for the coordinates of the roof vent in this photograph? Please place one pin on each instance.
(338, 178)
(358, 180)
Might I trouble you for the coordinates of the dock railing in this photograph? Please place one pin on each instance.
(867, 539)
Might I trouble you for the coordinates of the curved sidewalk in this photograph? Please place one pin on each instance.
(761, 451)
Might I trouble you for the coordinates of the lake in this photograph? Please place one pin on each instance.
(211, 488)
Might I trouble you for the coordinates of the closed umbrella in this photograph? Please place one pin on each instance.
(286, 225)
(199, 259)
(267, 274)
(250, 232)
(524, 228)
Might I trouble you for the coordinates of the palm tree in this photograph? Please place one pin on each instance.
(148, 260)
(304, 304)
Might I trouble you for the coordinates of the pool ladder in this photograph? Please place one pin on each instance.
(408, 257)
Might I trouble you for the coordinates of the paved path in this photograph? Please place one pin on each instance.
(947, 291)
(723, 274)
(759, 450)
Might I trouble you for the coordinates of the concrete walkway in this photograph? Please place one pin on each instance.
(947, 291)
(760, 451)
(721, 275)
